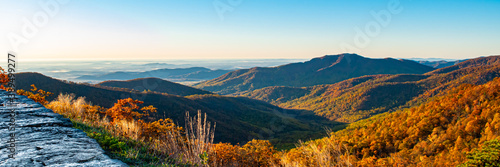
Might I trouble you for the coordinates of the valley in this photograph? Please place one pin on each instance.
(240, 83)
(284, 113)
(238, 119)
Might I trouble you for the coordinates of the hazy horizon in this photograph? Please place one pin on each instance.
(221, 59)
(114, 30)
(72, 69)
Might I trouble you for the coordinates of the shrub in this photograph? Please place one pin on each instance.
(160, 141)
(35, 94)
(127, 109)
(4, 79)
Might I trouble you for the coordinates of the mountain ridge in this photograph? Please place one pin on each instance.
(154, 84)
(362, 97)
(239, 119)
(322, 70)
(177, 74)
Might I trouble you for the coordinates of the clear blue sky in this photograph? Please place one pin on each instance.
(187, 29)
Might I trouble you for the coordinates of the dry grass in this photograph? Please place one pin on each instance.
(189, 147)
(77, 109)
(67, 105)
(322, 153)
(195, 144)
(200, 136)
(128, 128)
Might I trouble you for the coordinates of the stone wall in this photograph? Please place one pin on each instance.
(44, 138)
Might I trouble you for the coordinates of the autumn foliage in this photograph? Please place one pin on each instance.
(128, 110)
(127, 119)
(35, 94)
(158, 129)
(439, 132)
(4, 78)
(191, 145)
(447, 130)
(359, 98)
(458, 126)
(254, 153)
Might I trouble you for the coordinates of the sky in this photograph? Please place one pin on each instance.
(248, 29)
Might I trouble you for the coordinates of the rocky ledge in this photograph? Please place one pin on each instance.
(44, 138)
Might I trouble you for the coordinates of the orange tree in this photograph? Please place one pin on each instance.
(37, 95)
(127, 109)
(4, 79)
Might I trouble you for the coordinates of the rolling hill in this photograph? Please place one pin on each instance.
(365, 96)
(176, 74)
(443, 131)
(440, 64)
(156, 85)
(238, 119)
(323, 70)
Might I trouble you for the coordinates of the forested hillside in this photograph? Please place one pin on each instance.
(323, 70)
(440, 64)
(177, 74)
(238, 119)
(439, 132)
(156, 85)
(446, 117)
(362, 97)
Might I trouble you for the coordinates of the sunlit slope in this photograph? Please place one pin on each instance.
(322, 70)
(362, 97)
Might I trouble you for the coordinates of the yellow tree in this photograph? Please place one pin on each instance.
(158, 129)
(259, 153)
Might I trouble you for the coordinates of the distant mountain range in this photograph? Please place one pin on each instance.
(441, 63)
(176, 74)
(365, 96)
(156, 85)
(395, 110)
(239, 119)
(345, 88)
(317, 71)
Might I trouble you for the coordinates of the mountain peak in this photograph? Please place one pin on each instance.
(328, 69)
(347, 55)
(338, 56)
